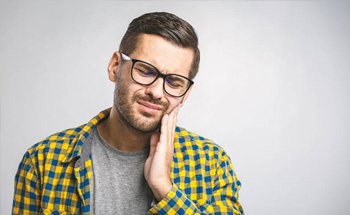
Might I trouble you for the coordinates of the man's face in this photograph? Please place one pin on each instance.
(142, 107)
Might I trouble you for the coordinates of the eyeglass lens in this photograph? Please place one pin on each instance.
(145, 74)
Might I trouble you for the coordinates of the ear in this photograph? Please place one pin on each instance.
(113, 64)
(187, 94)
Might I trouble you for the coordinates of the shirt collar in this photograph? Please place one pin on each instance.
(76, 145)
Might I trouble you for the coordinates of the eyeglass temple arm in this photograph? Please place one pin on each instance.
(125, 57)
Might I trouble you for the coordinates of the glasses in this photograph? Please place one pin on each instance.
(146, 74)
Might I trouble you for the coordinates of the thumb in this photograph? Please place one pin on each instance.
(153, 143)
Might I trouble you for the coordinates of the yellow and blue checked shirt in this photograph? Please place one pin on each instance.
(54, 176)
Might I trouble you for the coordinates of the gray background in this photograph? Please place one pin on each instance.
(273, 89)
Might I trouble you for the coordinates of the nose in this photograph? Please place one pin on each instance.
(156, 89)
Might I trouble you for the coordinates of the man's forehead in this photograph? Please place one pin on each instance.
(164, 55)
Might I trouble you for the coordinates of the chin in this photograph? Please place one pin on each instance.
(146, 128)
(146, 124)
(139, 120)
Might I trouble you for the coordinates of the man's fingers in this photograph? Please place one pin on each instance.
(168, 124)
(153, 143)
(177, 109)
(164, 129)
(174, 120)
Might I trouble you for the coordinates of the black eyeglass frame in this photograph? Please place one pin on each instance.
(164, 76)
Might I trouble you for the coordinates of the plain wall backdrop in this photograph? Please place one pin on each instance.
(272, 90)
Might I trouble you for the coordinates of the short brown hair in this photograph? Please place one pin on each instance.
(169, 26)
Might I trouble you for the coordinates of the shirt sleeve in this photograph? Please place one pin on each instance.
(26, 199)
(224, 199)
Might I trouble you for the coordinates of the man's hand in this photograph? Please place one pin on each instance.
(158, 164)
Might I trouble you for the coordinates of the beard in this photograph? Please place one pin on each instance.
(140, 121)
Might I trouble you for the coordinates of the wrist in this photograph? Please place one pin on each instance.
(161, 191)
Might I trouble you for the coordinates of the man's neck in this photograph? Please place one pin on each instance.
(121, 136)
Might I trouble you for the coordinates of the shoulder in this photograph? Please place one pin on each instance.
(189, 141)
(58, 144)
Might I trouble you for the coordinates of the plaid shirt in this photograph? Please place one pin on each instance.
(54, 176)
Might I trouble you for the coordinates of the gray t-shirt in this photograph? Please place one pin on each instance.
(118, 185)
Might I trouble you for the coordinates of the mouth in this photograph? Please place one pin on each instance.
(149, 107)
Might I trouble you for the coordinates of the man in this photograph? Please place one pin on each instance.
(131, 158)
